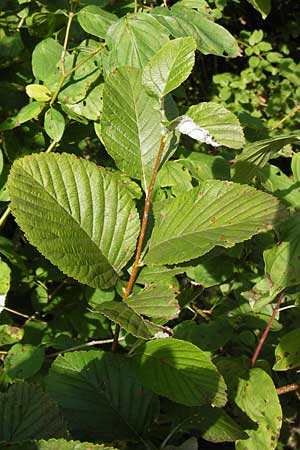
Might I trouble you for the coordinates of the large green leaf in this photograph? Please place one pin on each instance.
(257, 397)
(179, 371)
(78, 216)
(55, 444)
(282, 261)
(130, 126)
(156, 300)
(222, 125)
(127, 318)
(214, 213)
(100, 396)
(134, 39)
(287, 352)
(26, 412)
(95, 20)
(170, 67)
(209, 36)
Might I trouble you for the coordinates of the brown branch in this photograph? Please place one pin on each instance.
(289, 388)
(140, 243)
(267, 329)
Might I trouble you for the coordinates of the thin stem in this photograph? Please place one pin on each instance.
(148, 199)
(140, 243)
(17, 313)
(287, 116)
(69, 72)
(4, 216)
(63, 53)
(267, 329)
(136, 5)
(289, 388)
(87, 344)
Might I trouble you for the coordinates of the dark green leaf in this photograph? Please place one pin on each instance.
(100, 396)
(23, 361)
(95, 20)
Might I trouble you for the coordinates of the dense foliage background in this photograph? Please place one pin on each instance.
(226, 298)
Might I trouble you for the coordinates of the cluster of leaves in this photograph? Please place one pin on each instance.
(146, 223)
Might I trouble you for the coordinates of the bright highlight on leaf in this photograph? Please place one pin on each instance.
(187, 126)
(38, 92)
(78, 216)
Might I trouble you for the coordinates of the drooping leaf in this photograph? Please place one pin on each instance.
(287, 352)
(170, 67)
(256, 155)
(127, 318)
(10, 334)
(179, 371)
(98, 404)
(38, 92)
(130, 126)
(55, 444)
(76, 214)
(134, 39)
(263, 6)
(45, 57)
(282, 260)
(28, 112)
(210, 37)
(95, 20)
(23, 361)
(26, 412)
(222, 125)
(257, 397)
(215, 213)
(295, 166)
(54, 124)
(156, 300)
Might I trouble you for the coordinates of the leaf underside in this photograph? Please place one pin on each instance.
(77, 215)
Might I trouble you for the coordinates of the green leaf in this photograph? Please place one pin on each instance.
(179, 371)
(211, 270)
(55, 444)
(278, 183)
(214, 213)
(257, 397)
(208, 336)
(4, 282)
(28, 112)
(210, 37)
(127, 318)
(134, 39)
(95, 20)
(156, 300)
(80, 217)
(287, 353)
(26, 412)
(222, 125)
(45, 57)
(54, 124)
(130, 125)
(98, 404)
(295, 166)
(282, 261)
(38, 92)
(23, 361)
(91, 107)
(10, 335)
(256, 155)
(170, 67)
(263, 6)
